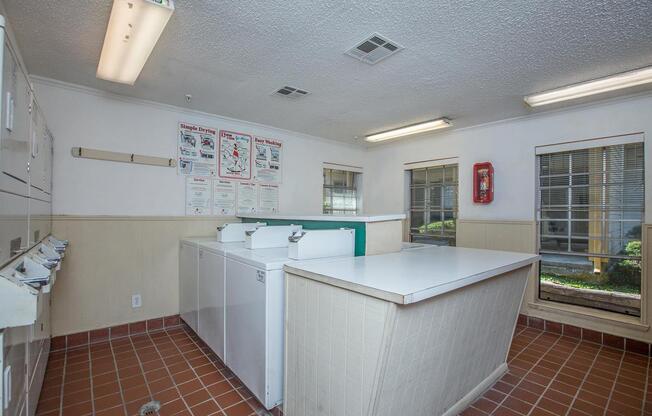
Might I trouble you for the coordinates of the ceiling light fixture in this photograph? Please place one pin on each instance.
(134, 28)
(440, 123)
(597, 86)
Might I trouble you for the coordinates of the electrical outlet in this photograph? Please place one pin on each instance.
(136, 301)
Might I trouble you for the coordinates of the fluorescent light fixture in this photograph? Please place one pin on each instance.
(133, 30)
(597, 86)
(440, 123)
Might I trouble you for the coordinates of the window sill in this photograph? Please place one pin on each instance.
(588, 314)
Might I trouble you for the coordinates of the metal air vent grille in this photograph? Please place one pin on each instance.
(374, 49)
(290, 92)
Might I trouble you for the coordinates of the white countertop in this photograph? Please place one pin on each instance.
(410, 276)
(350, 218)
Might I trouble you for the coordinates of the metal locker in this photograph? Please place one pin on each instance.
(14, 137)
(13, 225)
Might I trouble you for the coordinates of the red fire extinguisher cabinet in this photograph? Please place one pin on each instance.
(483, 183)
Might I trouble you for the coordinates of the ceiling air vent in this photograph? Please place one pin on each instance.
(290, 92)
(374, 49)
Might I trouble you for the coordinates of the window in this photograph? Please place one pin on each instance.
(591, 208)
(433, 205)
(340, 192)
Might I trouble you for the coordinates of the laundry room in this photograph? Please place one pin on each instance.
(333, 208)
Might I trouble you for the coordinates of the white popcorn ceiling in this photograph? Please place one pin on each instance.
(469, 60)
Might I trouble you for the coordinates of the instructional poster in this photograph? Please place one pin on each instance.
(235, 155)
(198, 195)
(267, 160)
(267, 199)
(197, 150)
(223, 197)
(247, 197)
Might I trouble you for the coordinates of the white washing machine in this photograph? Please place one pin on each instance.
(201, 281)
(254, 320)
(188, 263)
(211, 270)
(255, 304)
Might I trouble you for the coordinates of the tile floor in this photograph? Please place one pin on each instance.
(117, 377)
(553, 375)
(549, 375)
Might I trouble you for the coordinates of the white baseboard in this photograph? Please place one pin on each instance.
(477, 391)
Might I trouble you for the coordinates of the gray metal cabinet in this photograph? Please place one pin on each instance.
(14, 351)
(15, 134)
(13, 224)
(25, 219)
(26, 147)
(38, 351)
(25, 351)
(40, 222)
(40, 155)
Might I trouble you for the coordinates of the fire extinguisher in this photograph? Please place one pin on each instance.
(483, 183)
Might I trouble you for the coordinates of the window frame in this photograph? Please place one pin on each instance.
(354, 187)
(571, 207)
(445, 235)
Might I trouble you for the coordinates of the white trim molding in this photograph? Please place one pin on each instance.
(590, 143)
(431, 163)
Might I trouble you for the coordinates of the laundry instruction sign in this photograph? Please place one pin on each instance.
(267, 160)
(235, 155)
(267, 199)
(196, 150)
(224, 198)
(228, 172)
(198, 195)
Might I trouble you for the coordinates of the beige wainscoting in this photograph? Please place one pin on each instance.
(522, 236)
(497, 235)
(111, 258)
(383, 237)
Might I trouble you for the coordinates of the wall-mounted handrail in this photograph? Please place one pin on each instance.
(86, 153)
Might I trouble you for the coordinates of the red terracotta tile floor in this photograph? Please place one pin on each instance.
(549, 375)
(553, 375)
(117, 377)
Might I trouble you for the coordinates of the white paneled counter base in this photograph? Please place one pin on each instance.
(420, 332)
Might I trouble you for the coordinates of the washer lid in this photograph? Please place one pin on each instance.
(195, 241)
(262, 258)
(220, 248)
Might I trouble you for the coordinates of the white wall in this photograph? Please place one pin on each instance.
(510, 146)
(82, 117)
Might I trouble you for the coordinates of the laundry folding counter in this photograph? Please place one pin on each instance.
(417, 332)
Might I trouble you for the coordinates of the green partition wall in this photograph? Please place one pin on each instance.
(359, 227)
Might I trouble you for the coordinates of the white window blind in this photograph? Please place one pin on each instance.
(591, 201)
